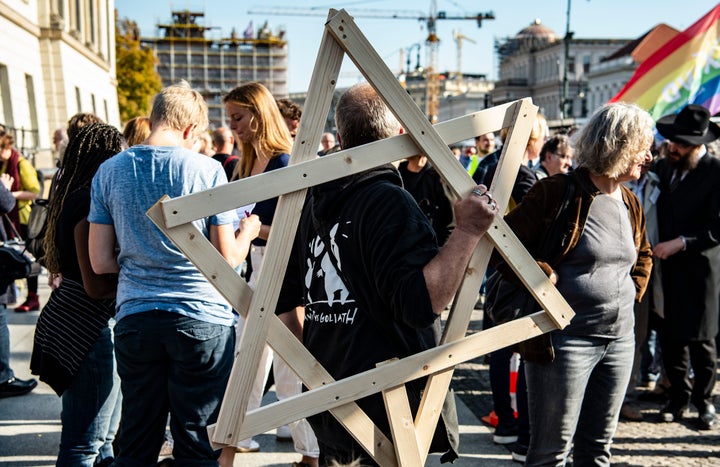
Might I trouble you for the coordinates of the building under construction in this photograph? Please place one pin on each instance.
(213, 67)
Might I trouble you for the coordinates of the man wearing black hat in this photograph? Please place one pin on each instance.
(689, 247)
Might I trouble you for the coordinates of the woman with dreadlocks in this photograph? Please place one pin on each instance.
(73, 348)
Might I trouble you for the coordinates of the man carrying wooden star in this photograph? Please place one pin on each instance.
(367, 268)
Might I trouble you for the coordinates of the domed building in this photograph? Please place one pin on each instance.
(532, 65)
(535, 35)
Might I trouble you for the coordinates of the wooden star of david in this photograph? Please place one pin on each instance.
(411, 436)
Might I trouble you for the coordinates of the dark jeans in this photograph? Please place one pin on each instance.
(32, 281)
(502, 402)
(168, 362)
(5, 371)
(677, 358)
(91, 408)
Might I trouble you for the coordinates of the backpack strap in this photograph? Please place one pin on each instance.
(230, 159)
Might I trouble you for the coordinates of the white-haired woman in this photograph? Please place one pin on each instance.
(600, 264)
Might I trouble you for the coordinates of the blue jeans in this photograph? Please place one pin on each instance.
(91, 408)
(170, 363)
(5, 371)
(577, 398)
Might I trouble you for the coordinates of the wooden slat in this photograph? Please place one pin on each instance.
(511, 156)
(198, 249)
(416, 366)
(303, 175)
(416, 124)
(402, 426)
(234, 405)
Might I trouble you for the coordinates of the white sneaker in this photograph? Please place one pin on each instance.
(283, 433)
(247, 445)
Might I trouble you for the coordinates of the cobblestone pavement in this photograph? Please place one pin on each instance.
(648, 443)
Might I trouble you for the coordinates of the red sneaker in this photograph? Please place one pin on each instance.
(31, 304)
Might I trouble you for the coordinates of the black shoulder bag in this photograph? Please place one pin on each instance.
(506, 301)
(37, 224)
(14, 263)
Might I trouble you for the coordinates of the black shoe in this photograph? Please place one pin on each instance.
(519, 452)
(17, 387)
(673, 412)
(505, 434)
(707, 417)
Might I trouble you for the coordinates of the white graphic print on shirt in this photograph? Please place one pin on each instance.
(328, 299)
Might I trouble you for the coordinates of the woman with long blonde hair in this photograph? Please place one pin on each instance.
(265, 143)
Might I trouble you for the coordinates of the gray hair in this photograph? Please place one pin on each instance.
(362, 117)
(613, 137)
(178, 106)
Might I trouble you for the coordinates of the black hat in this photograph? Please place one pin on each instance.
(691, 126)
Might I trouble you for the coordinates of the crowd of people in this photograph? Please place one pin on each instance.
(134, 339)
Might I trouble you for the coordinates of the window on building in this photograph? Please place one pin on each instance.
(93, 23)
(571, 64)
(586, 64)
(78, 16)
(32, 108)
(92, 100)
(78, 101)
(61, 8)
(5, 101)
(108, 18)
(107, 114)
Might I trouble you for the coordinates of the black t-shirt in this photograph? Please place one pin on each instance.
(426, 187)
(523, 182)
(228, 162)
(75, 208)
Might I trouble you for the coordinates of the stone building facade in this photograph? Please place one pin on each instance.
(57, 58)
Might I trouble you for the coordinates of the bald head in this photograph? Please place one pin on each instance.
(223, 140)
(327, 141)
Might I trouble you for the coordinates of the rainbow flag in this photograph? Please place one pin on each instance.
(686, 70)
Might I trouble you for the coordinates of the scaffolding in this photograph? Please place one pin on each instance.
(215, 66)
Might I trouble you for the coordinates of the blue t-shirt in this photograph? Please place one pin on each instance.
(154, 274)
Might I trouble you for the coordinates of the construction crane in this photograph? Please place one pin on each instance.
(459, 38)
(432, 41)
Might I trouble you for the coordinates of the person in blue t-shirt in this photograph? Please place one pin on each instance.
(174, 337)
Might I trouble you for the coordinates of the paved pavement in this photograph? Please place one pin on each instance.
(30, 426)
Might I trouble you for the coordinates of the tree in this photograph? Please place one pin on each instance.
(137, 79)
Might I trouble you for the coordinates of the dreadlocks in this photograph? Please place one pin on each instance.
(89, 148)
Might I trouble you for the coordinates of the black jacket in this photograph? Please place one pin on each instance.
(691, 278)
(366, 301)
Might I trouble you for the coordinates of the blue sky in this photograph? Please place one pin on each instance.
(588, 19)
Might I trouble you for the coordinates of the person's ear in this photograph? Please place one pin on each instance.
(189, 132)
